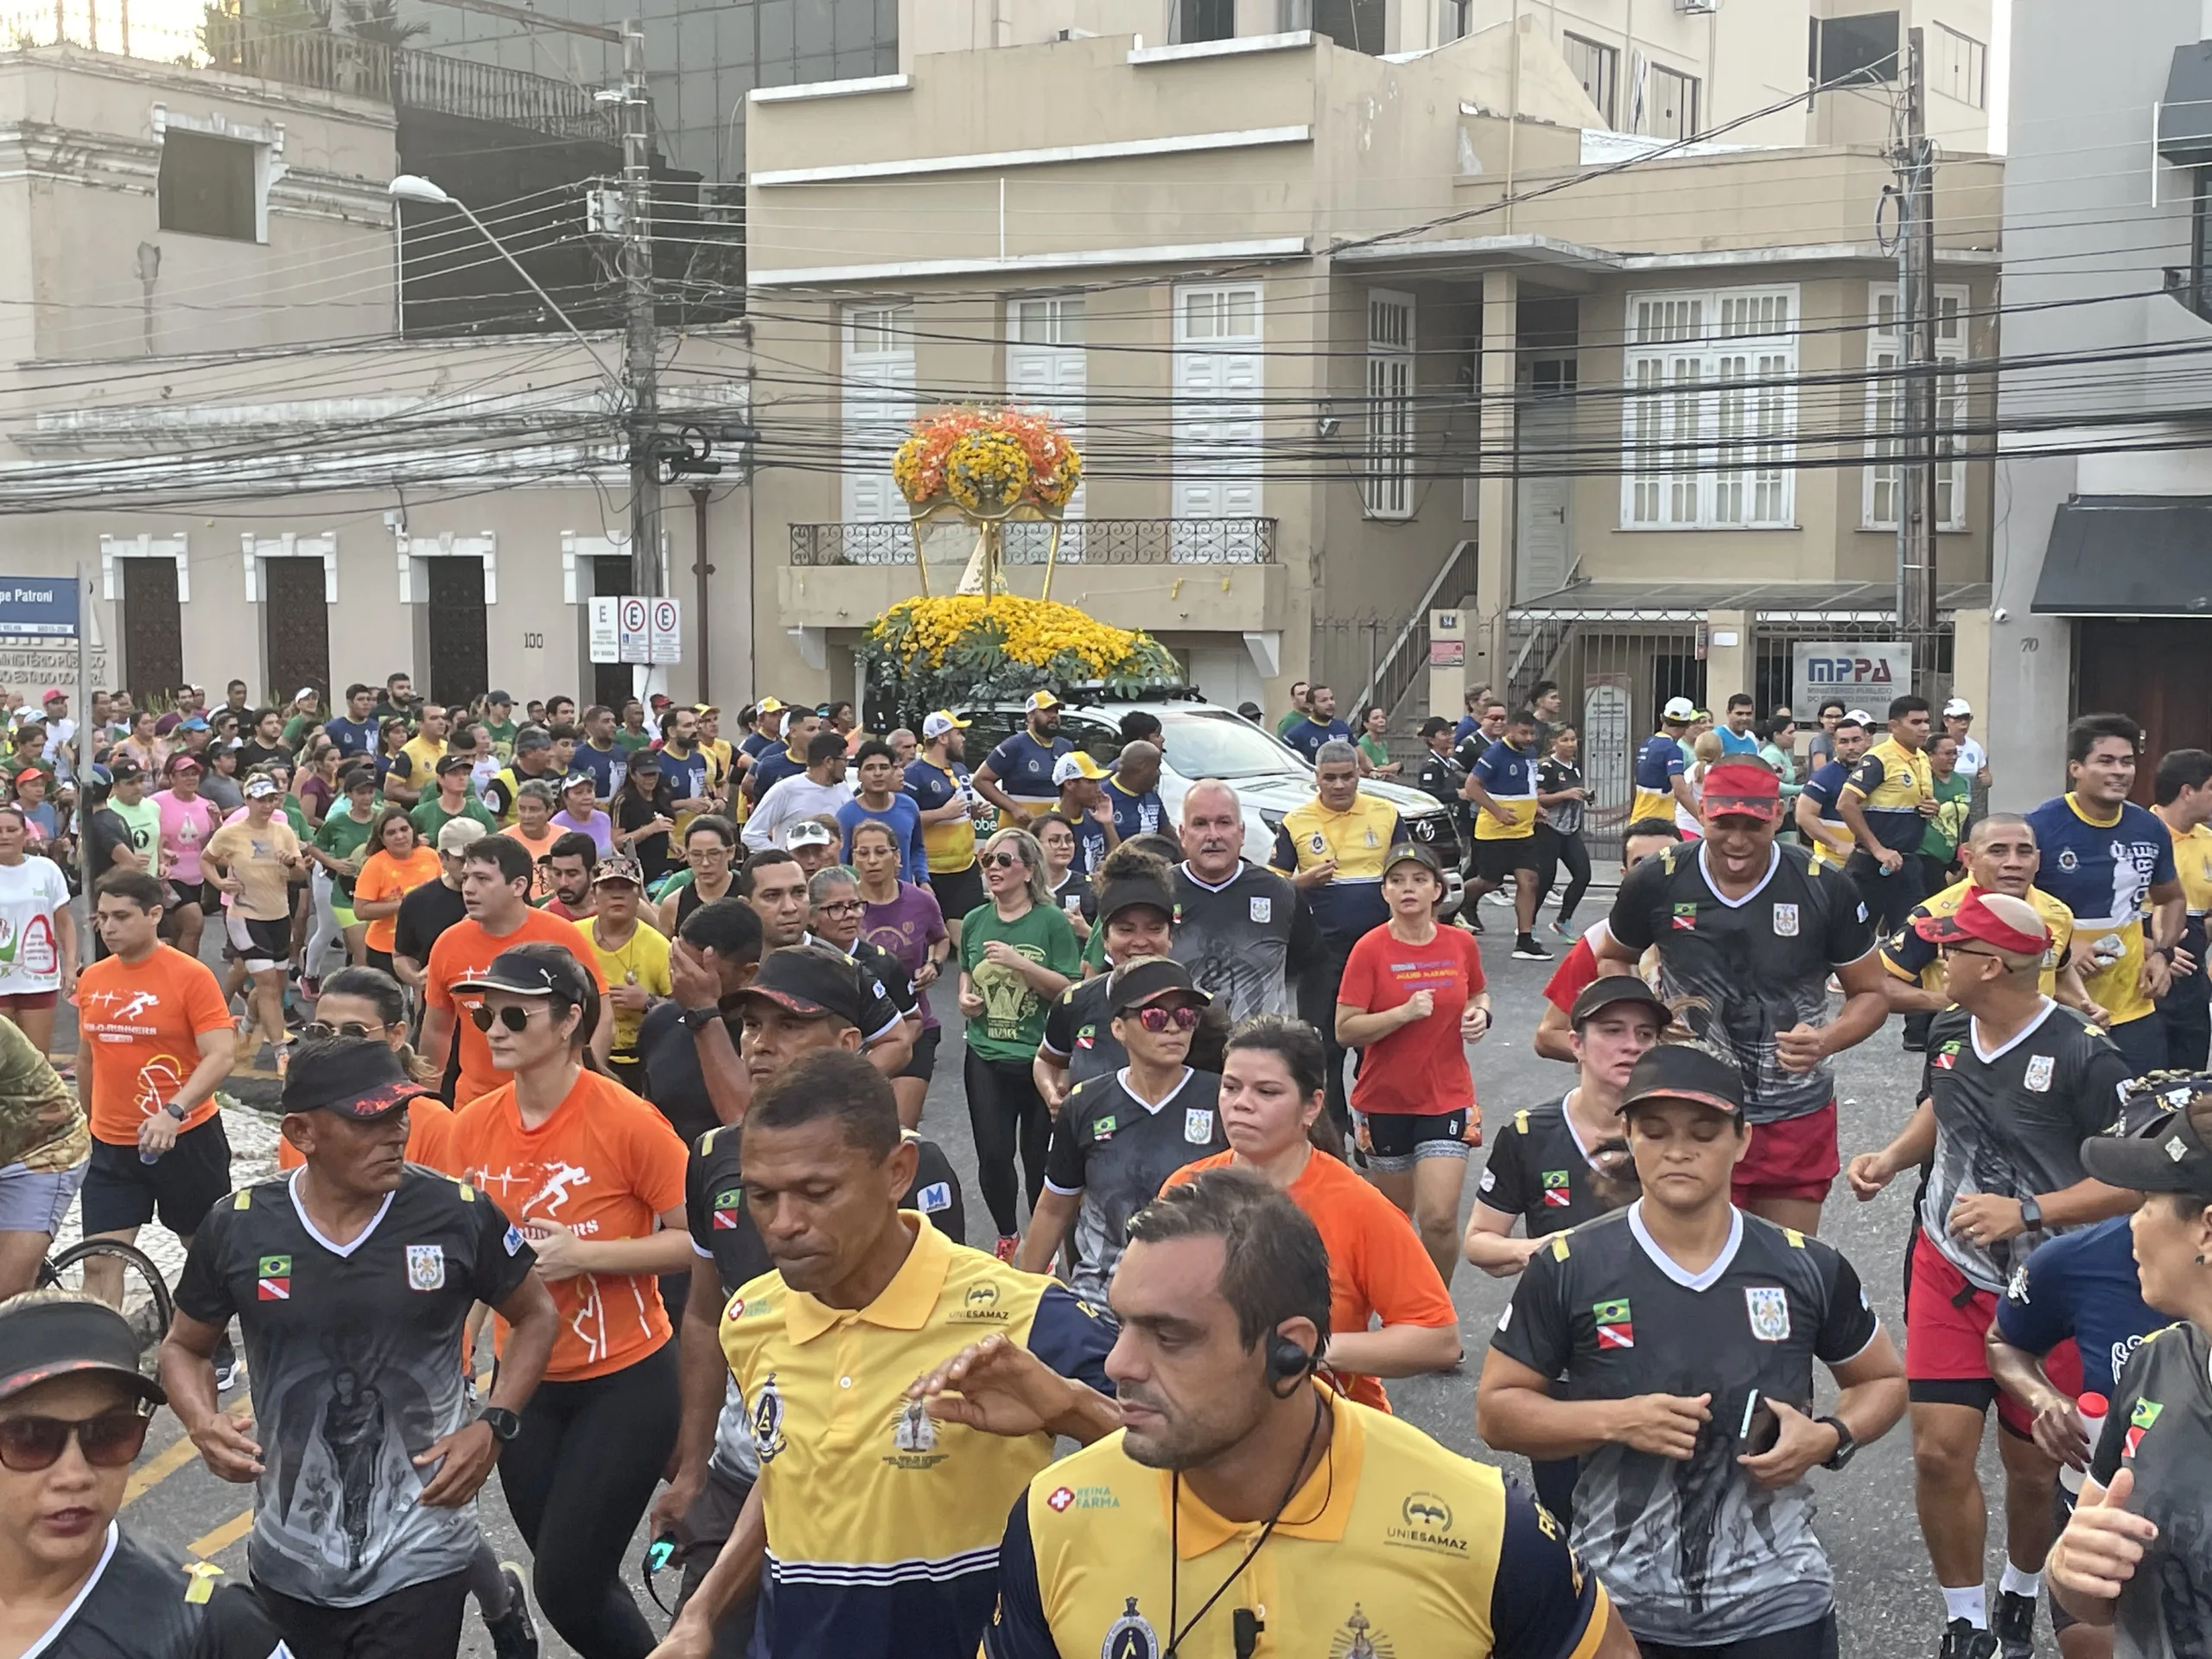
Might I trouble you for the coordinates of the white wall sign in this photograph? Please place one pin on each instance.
(1866, 674)
(605, 630)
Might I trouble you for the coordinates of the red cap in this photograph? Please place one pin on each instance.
(51, 693)
(1748, 787)
(1995, 919)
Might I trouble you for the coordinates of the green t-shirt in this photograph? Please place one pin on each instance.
(674, 882)
(1013, 1021)
(145, 823)
(1283, 726)
(343, 835)
(1376, 751)
(503, 738)
(1094, 948)
(430, 817)
(1953, 799)
(630, 742)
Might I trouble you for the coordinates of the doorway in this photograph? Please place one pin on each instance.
(153, 629)
(458, 653)
(295, 627)
(2156, 672)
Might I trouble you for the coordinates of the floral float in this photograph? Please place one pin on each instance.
(983, 643)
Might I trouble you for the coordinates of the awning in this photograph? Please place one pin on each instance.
(1663, 601)
(2128, 556)
(2186, 114)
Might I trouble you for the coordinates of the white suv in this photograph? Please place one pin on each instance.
(1203, 740)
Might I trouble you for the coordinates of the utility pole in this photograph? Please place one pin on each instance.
(641, 334)
(1919, 447)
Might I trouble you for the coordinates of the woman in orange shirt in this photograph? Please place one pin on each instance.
(369, 1002)
(594, 1177)
(401, 863)
(1271, 1093)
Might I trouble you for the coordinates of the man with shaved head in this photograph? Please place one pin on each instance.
(1240, 926)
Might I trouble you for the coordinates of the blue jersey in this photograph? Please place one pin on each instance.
(951, 842)
(1135, 815)
(1309, 735)
(1090, 846)
(1024, 767)
(904, 819)
(605, 768)
(1658, 763)
(1731, 744)
(685, 776)
(2104, 873)
(765, 774)
(2081, 1285)
(756, 741)
(352, 737)
(1467, 726)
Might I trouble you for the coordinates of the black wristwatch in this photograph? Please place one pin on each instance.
(1847, 1445)
(504, 1424)
(698, 1020)
(2031, 1215)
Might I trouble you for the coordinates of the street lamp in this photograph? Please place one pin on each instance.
(413, 187)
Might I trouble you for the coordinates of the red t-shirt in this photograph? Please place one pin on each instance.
(1420, 1069)
(1572, 977)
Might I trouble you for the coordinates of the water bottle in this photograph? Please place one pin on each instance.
(2092, 1408)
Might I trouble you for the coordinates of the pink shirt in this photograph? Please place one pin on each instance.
(186, 826)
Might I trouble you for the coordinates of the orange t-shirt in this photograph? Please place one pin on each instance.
(430, 1138)
(141, 1025)
(385, 877)
(1376, 1264)
(541, 885)
(465, 950)
(605, 1165)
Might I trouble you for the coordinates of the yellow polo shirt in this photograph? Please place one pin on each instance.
(1908, 957)
(883, 1524)
(1392, 1546)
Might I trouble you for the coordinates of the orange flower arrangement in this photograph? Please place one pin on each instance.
(921, 466)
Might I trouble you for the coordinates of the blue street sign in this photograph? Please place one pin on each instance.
(40, 606)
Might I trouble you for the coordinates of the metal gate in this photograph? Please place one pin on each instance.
(1614, 669)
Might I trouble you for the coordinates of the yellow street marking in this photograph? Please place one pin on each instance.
(215, 1542)
(173, 1456)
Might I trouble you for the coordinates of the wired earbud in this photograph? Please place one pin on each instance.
(1288, 1362)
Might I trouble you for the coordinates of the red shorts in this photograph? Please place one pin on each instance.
(30, 1001)
(1947, 1321)
(1794, 1159)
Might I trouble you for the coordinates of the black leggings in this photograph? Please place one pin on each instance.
(1005, 1112)
(1554, 850)
(576, 1479)
(1813, 1640)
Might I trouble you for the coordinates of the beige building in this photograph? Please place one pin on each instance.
(1347, 346)
(208, 410)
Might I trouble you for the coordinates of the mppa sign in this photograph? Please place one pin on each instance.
(36, 607)
(1861, 673)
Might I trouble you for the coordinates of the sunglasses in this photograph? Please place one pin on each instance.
(343, 1028)
(513, 1018)
(110, 1440)
(1183, 1017)
(1004, 861)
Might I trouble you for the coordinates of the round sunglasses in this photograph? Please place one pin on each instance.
(513, 1018)
(1183, 1017)
(110, 1440)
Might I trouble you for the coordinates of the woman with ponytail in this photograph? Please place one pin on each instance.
(594, 1176)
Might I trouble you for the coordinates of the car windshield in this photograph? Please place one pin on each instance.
(1218, 745)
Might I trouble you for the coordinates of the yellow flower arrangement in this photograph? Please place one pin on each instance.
(986, 472)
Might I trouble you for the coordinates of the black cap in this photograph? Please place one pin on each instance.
(645, 761)
(1131, 891)
(2153, 1147)
(1679, 1071)
(455, 763)
(1134, 985)
(506, 698)
(1616, 987)
(124, 772)
(810, 980)
(1412, 852)
(521, 974)
(356, 1078)
(49, 1335)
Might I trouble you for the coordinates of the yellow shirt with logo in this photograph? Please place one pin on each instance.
(1891, 782)
(422, 754)
(2193, 864)
(1358, 839)
(1392, 1546)
(1910, 958)
(880, 1519)
(642, 963)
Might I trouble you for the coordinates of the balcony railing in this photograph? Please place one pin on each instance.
(1083, 541)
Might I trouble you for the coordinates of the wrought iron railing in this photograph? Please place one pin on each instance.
(1083, 541)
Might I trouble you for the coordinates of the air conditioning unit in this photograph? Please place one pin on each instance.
(1697, 5)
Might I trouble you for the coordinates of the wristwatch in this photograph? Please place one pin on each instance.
(175, 1110)
(698, 1020)
(2031, 1215)
(1847, 1446)
(503, 1423)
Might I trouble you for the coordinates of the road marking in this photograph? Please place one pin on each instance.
(215, 1542)
(173, 1456)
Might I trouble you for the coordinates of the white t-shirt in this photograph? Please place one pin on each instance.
(1973, 757)
(31, 893)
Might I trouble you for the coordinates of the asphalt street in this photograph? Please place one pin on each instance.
(1888, 1602)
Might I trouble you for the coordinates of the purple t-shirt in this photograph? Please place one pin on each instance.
(906, 927)
(600, 829)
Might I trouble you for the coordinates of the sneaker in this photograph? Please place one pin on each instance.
(310, 986)
(1525, 949)
(228, 1366)
(1566, 929)
(2013, 1624)
(1007, 1244)
(514, 1636)
(1963, 1641)
(1499, 897)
